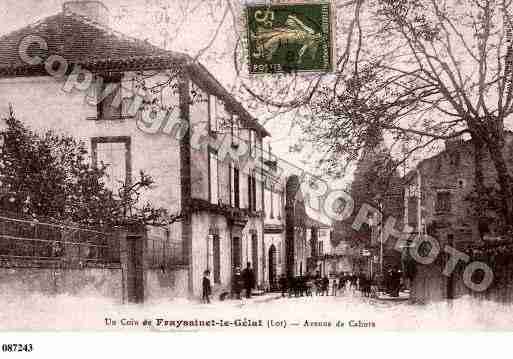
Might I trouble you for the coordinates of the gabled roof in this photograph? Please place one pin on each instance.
(83, 41)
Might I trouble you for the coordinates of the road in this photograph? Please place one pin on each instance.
(64, 312)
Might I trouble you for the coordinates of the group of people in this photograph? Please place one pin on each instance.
(309, 285)
(243, 280)
(240, 280)
(392, 282)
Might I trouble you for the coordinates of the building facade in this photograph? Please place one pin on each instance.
(274, 223)
(437, 194)
(436, 198)
(138, 107)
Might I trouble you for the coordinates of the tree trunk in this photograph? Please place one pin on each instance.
(503, 179)
(478, 174)
(481, 205)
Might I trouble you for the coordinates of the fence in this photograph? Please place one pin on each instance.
(26, 240)
(164, 248)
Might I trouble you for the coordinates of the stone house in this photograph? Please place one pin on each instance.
(444, 183)
(274, 222)
(142, 108)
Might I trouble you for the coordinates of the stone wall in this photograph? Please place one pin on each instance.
(91, 282)
(430, 285)
(166, 284)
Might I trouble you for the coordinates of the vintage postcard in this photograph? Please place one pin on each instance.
(151, 182)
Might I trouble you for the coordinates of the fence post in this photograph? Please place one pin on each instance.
(133, 248)
(120, 236)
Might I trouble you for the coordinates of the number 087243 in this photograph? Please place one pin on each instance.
(17, 348)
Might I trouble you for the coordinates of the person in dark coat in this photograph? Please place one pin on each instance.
(342, 283)
(395, 283)
(283, 285)
(207, 289)
(325, 285)
(248, 278)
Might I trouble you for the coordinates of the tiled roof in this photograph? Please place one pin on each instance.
(82, 41)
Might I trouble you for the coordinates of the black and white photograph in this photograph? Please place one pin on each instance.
(246, 166)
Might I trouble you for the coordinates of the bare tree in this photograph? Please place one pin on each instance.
(416, 71)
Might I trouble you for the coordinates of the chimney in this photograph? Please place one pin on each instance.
(93, 10)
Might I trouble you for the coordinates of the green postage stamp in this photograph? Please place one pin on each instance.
(293, 37)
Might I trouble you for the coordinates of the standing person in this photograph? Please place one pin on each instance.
(334, 287)
(318, 286)
(283, 285)
(207, 289)
(248, 277)
(342, 283)
(325, 285)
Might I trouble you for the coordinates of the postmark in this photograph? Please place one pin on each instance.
(294, 37)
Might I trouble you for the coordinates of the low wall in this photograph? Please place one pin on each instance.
(103, 282)
(430, 285)
(139, 275)
(166, 284)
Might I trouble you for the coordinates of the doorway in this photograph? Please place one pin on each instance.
(272, 267)
(254, 254)
(236, 252)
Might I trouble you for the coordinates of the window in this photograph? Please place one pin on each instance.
(254, 194)
(234, 186)
(235, 130)
(443, 202)
(213, 114)
(272, 202)
(213, 175)
(236, 252)
(217, 258)
(321, 248)
(251, 192)
(280, 204)
(254, 253)
(109, 98)
(253, 142)
(230, 183)
(114, 153)
(224, 119)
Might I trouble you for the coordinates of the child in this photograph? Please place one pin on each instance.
(207, 289)
(334, 287)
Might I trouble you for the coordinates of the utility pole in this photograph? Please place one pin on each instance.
(419, 204)
(379, 200)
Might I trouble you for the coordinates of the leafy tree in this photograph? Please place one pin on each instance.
(48, 176)
(375, 183)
